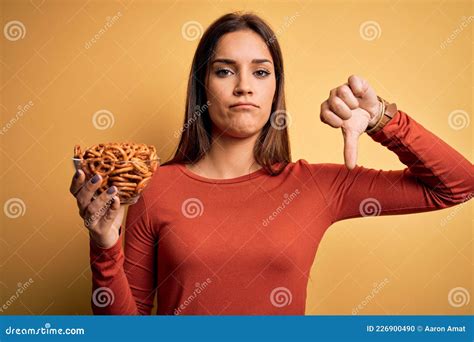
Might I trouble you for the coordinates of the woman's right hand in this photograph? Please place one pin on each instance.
(102, 215)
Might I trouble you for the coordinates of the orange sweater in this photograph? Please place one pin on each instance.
(246, 245)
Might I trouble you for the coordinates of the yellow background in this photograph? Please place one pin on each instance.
(138, 71)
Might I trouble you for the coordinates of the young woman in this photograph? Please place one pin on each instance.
(231, 225)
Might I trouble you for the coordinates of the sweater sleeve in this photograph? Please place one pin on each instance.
(436, 176)
(124, 283)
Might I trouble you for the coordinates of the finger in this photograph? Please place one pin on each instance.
(113, 211)
(358, 85)
(77, 182)
(99, 207)
(328, 117)
(351, 141)
(86, 193)
(337, 106)
(344, 92)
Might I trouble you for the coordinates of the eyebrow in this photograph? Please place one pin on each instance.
(231, 61)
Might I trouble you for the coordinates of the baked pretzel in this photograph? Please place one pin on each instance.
(128, 166)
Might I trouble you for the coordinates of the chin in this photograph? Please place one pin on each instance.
(242, 127)
(242, 133)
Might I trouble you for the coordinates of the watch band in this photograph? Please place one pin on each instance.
(389, 111)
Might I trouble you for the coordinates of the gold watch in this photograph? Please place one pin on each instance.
(389, 111)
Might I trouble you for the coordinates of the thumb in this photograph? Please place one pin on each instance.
(351, 141)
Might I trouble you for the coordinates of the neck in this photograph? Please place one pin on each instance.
(228, 157)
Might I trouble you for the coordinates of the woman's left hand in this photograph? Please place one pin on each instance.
(353, 107)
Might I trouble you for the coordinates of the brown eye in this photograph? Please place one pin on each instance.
(262, 73)
(222, 72)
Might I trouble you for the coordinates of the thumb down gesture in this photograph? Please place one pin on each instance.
(353, 107)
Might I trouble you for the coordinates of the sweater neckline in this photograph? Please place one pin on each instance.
(243, 178)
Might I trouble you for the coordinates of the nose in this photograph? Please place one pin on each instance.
(243, 86)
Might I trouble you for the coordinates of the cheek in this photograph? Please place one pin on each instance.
(268, 93)
(217, 92)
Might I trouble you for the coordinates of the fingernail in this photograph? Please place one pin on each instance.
(77, 174)
(111, 190)
(95, 179)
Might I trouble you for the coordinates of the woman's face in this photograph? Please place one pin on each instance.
(240, 72)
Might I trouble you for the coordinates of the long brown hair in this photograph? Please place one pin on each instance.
(272, 145)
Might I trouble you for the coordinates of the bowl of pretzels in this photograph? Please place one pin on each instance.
(128, 166)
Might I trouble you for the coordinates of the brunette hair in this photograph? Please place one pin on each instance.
(272, 146)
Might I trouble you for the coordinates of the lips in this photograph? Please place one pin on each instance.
(244, 105)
